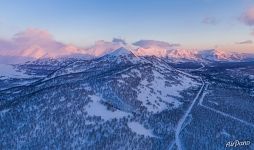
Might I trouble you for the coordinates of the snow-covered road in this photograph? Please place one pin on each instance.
(183, 119)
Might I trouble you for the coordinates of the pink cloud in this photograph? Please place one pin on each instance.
(35, 43)
(33, 33)
(38, 43)
(248, 16)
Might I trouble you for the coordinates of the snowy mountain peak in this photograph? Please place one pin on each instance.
(214, 52)
(182, 54)
(218, 55)
(158, 52)
(121, 52)
(121, 55)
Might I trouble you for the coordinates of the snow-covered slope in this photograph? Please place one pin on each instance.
(88, 103)
(9, 71)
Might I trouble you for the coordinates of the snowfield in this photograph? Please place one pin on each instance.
(8, 71)
(165, 96)
(139, 129)
(96, 108)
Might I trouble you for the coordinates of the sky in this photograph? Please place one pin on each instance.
(192, 24)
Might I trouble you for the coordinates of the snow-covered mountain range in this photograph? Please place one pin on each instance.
(34, 44)
(195, 55)
(101, 49)
(127, 98)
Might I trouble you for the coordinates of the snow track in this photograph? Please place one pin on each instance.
(227, 115)
(182, 120)
(220, 112)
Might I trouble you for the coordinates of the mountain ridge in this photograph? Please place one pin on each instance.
(177, 55)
